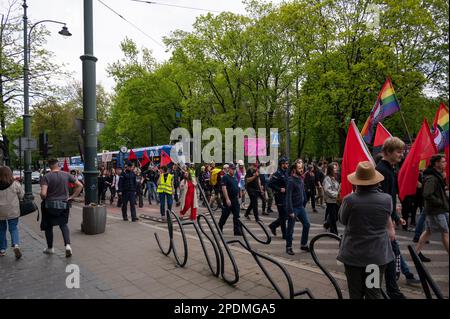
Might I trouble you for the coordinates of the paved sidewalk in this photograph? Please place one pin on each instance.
(125, 262)
(37, 275)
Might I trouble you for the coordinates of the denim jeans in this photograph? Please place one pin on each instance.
(162, 203)
(151, 187)
(420, 225)
(11, 224)
(303, 216)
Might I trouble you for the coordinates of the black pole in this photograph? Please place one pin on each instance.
(26, 106)
(89, 107)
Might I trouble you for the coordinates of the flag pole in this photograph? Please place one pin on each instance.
(404, 122)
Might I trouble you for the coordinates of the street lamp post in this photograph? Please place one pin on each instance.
(89, 107)
(26, 97)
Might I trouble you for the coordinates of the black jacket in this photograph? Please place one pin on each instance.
(389, 185)
(277, 182)
(434, 195)
(127, 182)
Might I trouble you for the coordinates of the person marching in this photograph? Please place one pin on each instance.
(253, 184)
(295, 191)
(366, 215)
(165, 191)
(278, 183)
(188, 195)
(331, 189)
(230, 191)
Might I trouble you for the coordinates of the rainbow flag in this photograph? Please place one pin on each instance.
(385, 105)
(440, 128)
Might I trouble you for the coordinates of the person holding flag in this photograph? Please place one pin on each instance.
(392, 151)
(436, 203)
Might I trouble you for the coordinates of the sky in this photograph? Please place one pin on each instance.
(156, 21)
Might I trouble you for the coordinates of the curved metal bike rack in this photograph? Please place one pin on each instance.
(316, 260)
(256, 255)
(217, 241)
(425, 278)
(322, 267)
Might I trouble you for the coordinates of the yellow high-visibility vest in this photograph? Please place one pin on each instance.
(165, 186)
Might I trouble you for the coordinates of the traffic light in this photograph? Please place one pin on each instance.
(43, 144)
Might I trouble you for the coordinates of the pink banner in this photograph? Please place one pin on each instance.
(254, 146)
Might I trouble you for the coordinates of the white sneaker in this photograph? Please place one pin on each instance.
(68, 251)
(2, 253)
(17, 251)
(49, 251)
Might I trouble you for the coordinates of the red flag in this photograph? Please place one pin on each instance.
(145, 159)
(65, 167)
(381, 135)
(165, 159)
(422, 149)
(132, 156)
(355, 151)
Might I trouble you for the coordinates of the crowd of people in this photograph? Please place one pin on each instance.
(369, 214)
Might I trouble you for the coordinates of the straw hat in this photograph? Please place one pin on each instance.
(365, 175)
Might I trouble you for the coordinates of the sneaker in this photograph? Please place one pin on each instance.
(305, 248)
(273, 230)
(247, 216)
(125, 219)
(163, 218)
(411, 280)
(17, 252)
(49, 251)
(289, 251)
(423, 258)
(2, 253)
(68, 251)
(415, 240)
(135, 219)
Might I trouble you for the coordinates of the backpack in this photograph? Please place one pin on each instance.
(214, 174)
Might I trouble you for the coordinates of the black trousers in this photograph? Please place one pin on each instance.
(407, 210)
(129, 197)
(281, 220)
(253, 205)
(332, 211)
(226, 211)
(356, 281)
(65, 233)
(311, 194)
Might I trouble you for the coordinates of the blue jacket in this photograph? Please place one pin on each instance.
(294, 193)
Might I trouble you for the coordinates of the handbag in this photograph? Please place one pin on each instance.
(27, 207)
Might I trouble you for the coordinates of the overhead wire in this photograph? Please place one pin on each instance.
(176, 6)
(132, 24)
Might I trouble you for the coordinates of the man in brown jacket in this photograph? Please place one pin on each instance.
(436, 203)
